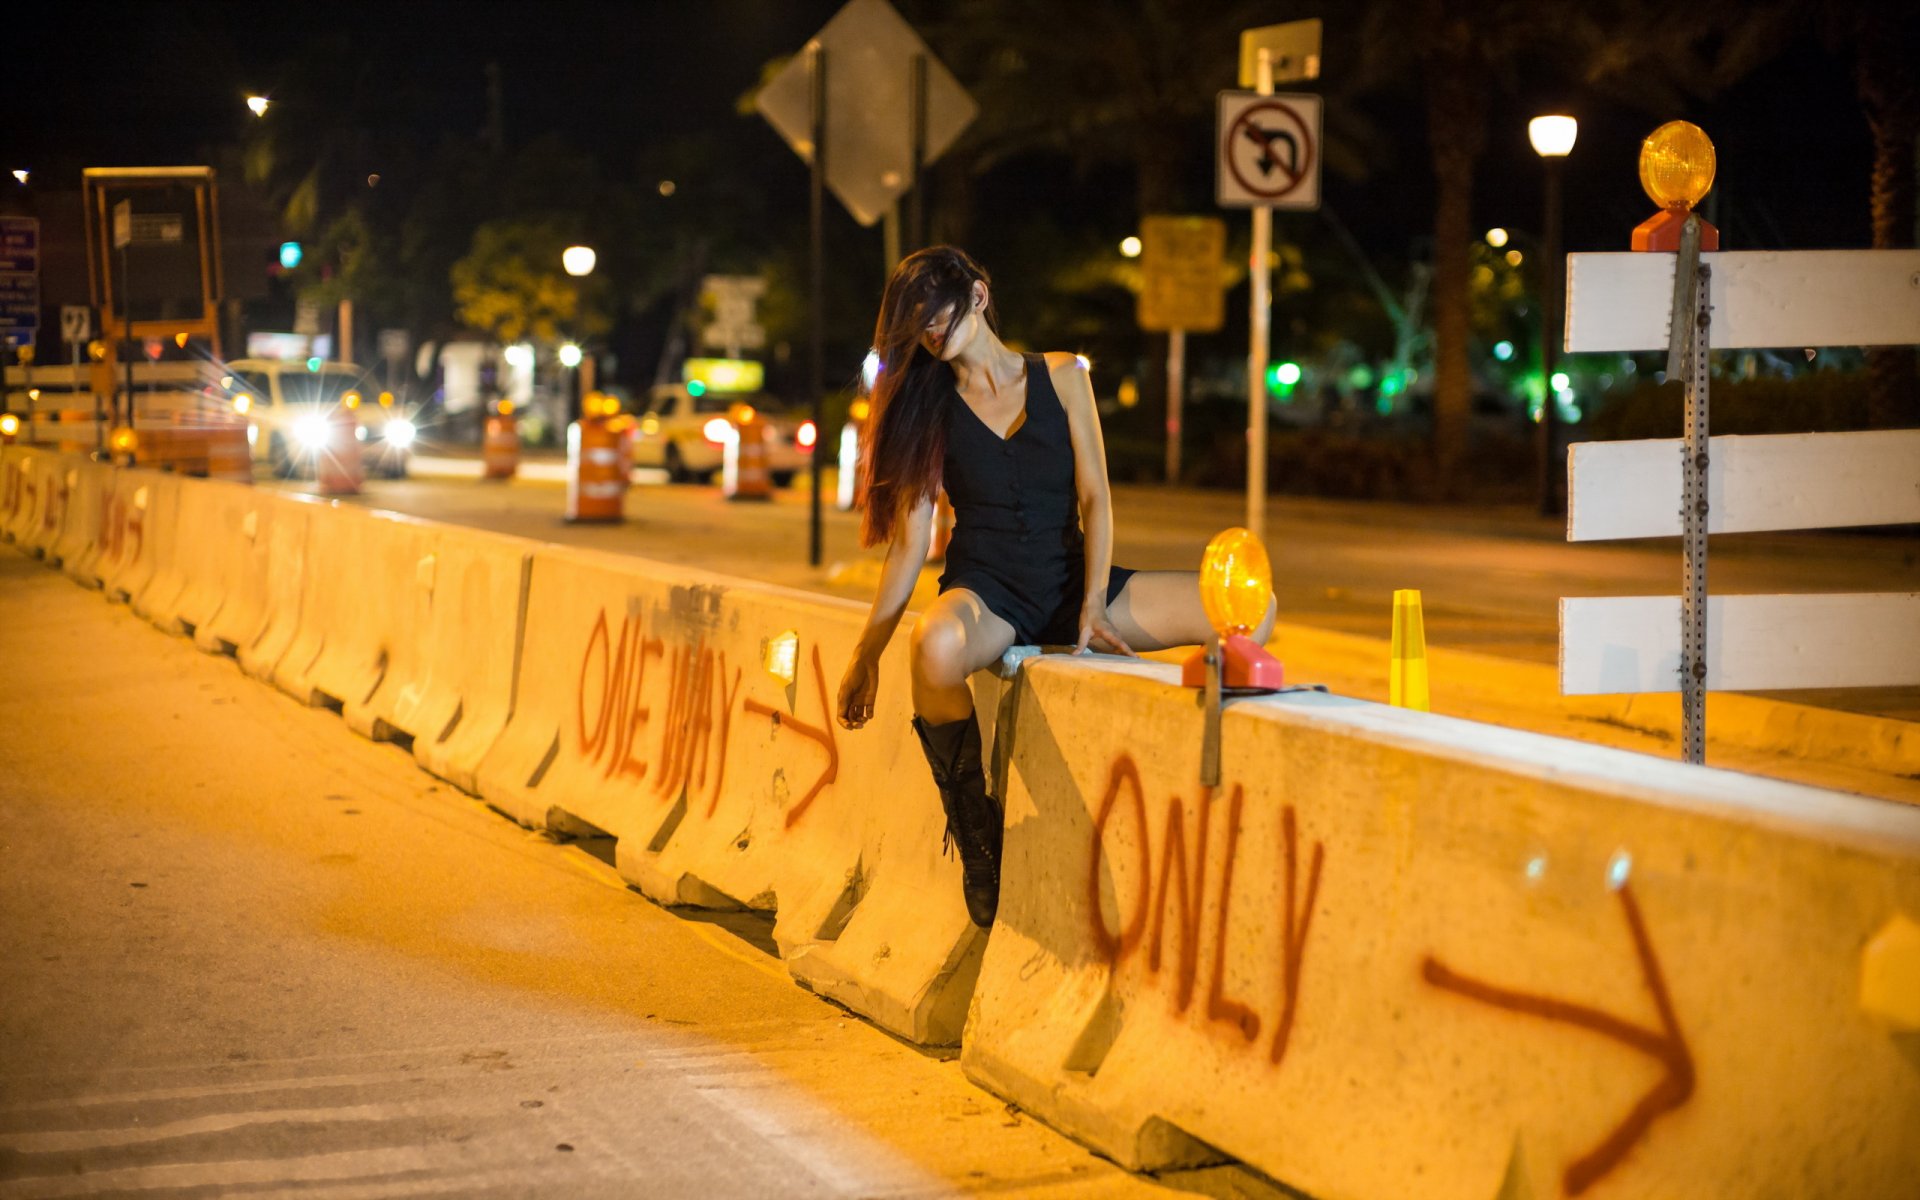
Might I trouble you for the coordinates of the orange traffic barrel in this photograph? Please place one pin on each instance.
(337, 469)
(500, 448)
(596, 471)
(229, 454)
(743, 471)
(71, 439)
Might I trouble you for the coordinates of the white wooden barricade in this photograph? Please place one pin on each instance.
(1622, 302)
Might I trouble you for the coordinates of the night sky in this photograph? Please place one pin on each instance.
(126, 84)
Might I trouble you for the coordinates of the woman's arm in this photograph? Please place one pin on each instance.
(1096, 502)
(906, 554)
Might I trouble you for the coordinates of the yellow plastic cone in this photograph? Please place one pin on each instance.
(1407, 676)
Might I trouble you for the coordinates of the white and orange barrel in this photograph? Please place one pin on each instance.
(337, 469)
(500, 447)
(596, 471)
(744, 472)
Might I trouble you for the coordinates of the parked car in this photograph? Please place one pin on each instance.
(286, 406)
(686, 431)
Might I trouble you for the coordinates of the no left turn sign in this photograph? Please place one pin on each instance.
(1268, 151)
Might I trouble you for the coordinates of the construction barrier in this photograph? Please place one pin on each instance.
(134, 527)
(253, 596)
(88, 486)
(43, 500)
(1390, 954)
(15, 470)
(1396, 954)
(689, 716)
(470, 650)
(203, 558)
(273, 585)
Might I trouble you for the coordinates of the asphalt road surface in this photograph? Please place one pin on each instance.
(249, 953)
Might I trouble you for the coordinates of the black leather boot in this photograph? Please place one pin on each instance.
(974, 819)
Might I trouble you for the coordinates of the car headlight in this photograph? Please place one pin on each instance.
(400, 433)
(311, 431)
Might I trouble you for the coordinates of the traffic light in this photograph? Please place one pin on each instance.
(290, 255)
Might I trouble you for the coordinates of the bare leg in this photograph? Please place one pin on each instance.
(956, 636)
(1158, 609)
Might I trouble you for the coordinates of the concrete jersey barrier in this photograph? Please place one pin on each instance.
(1391, 954)
(1396, 954)
(646, 710)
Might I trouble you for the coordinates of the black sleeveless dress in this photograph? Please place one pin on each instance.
(1016, 517)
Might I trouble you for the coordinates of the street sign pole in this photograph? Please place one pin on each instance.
(817, 348)
(1257, 315)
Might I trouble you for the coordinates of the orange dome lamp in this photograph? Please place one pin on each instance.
(1236, 587)
(1676, 170)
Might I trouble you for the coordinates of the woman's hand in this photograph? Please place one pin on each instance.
(857, 689)
(1097, 631)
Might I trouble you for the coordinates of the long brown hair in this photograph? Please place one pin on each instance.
(913, 390)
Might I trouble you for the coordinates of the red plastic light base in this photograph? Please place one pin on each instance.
(1247, 667)
(1660, 233)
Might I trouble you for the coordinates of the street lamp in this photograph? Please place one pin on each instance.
(579, 261)
(1552, 137)
(258, 104)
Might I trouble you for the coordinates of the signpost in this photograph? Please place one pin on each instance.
(1267, 156)
(1181, 266)
(881, 70)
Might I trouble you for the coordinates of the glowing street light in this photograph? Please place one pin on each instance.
(259, 105)
(570, 355)
(1552, 137)
(1130, 247)
(22, 176)
(1496, 237)
(578, 260)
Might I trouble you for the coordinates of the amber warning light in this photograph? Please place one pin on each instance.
(1676, 171)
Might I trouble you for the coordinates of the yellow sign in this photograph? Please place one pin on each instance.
(726, 374)
(1182, 271)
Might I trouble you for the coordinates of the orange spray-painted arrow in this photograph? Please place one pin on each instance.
(822, 733)
(1666, 1045)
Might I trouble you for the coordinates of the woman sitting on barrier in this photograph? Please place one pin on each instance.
(1015, 441)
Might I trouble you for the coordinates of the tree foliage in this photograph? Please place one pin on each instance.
(511, 285)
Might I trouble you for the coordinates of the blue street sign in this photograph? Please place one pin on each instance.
(19, 279)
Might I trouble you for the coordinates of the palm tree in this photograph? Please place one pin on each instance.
(1470, 54)
(1884, 37)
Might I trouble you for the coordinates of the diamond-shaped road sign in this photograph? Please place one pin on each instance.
(870, 51)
